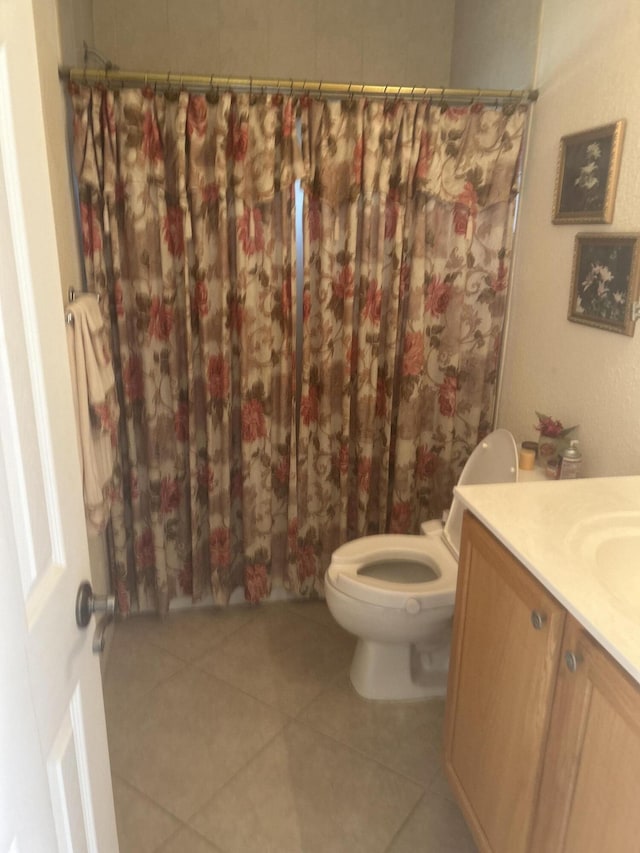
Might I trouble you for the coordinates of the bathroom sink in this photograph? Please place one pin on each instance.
(610, 547)
(618, 568)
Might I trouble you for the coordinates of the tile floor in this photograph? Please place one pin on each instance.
(232, 731)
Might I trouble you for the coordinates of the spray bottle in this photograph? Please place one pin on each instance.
(570, 462)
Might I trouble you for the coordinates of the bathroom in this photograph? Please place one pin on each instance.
(582, 59)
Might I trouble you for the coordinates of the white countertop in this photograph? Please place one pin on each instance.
(581, 539)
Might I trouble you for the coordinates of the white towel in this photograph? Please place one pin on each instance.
(95, 405)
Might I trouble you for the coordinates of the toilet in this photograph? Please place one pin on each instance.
(396, 592)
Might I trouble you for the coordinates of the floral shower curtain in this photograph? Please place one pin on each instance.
(408, 225)
(225, 478)
(187, 220)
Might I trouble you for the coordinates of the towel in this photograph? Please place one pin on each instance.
(95, 404)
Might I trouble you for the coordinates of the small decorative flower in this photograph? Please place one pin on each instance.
(549, 428)
(553, 438)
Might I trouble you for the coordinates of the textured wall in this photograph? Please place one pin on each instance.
(494, 44)
(76, 25)
(588, 75)
(373, 41)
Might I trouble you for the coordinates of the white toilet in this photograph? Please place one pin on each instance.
(396, 593)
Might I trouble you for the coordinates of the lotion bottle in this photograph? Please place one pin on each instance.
(570, 462)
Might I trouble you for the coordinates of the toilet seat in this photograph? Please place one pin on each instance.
(344, 573)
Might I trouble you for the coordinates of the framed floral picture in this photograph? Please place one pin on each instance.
(605, 281)
(587, 175)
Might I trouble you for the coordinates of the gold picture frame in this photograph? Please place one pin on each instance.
(605, 282)
(587, 176)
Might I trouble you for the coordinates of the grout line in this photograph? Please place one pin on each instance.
(367, 755)
(236, 773)
(149, 799)
(412, 811)
(214, 847)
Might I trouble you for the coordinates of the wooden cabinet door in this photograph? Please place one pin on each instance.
(500, 691)
(590, 791)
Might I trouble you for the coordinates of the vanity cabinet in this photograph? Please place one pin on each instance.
(542, 727)
(505, 650)
(590, 794)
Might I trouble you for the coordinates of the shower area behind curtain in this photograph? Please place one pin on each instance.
(228, 476)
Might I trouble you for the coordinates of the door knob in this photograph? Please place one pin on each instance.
(86, 604)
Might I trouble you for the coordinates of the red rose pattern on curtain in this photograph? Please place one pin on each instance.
(187, 222)
(408, 224)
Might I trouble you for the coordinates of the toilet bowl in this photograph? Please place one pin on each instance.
(396, 592)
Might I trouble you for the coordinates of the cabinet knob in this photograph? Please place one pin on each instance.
(572, 660)
(538, 619)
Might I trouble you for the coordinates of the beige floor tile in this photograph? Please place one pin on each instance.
(278, 626)
(186, 634)
(142, 825)
(405, 736)
(188, 737)
(281, 659)
(187, 841)
(316, 611)
(135, 667)
(436, 826)
(305, 792)
(439, 784)
(189, 741)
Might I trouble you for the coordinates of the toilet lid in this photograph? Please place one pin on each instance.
(494, 460)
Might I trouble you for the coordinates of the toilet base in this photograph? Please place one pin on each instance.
(393, 671)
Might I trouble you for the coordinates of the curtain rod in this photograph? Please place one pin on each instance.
(195, 82)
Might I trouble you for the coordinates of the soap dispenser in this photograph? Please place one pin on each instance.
(570, 462)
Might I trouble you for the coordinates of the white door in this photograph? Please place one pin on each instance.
(55, 785)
